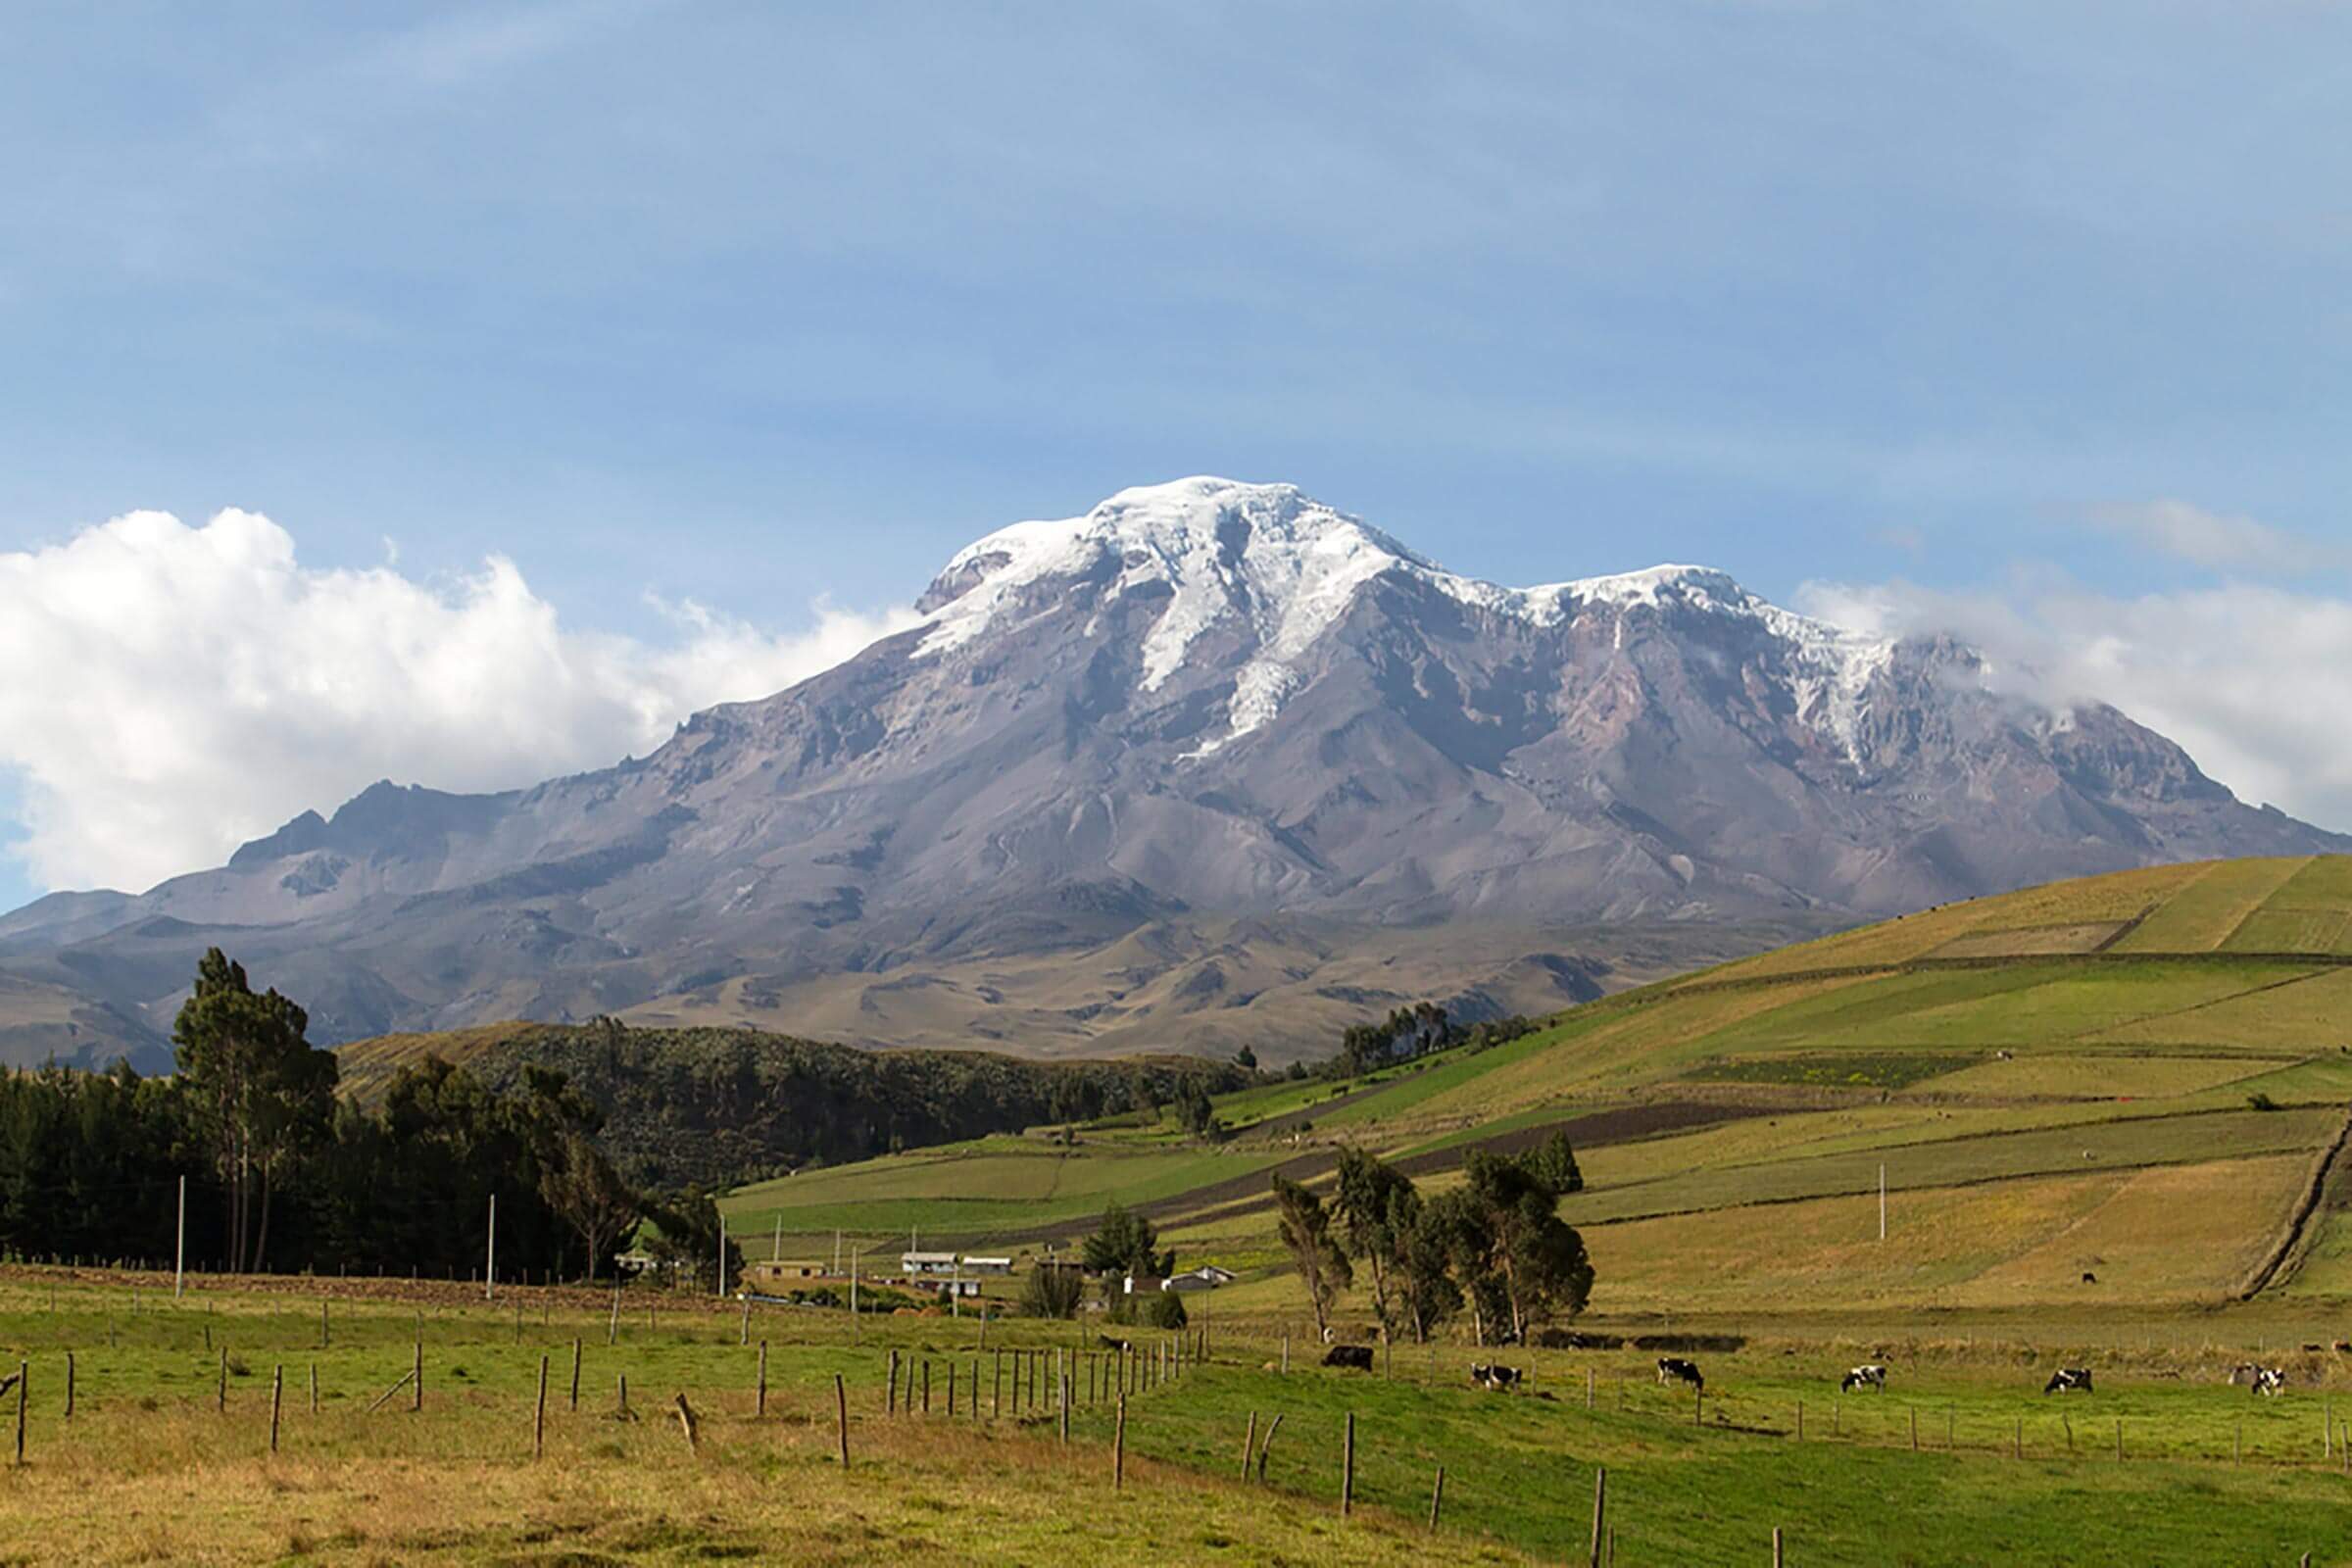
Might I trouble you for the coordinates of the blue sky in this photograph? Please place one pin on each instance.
(1922, 311)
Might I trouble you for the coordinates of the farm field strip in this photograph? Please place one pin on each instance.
(1989, 1157)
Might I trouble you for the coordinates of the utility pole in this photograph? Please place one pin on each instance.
(776, 1247)
(490, 1257)
(720, 1289)
(179, 1245)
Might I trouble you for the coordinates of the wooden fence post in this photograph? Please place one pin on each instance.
(1066, 1407)
(1600, 1508)
(1249, 1442)
(2119, 1440)
(539, 1416)
(23, 1384)
(1801, 1420)
(686, 1422)
(1437, 1497)
(221, 1393)
(1347, 1467)
(1267, 1447)
(623, 1387)
(951, 1386)
(891, 1404)
(1118, 1447)
(613, 1328)
(313, 1388)
(1915, 1429)
(1776, 1547)
(840, 1416)
(926, 1385)
(576, 1374)
(996, 1394)
(68, 1385)
(277, 1401)
(416, 1378)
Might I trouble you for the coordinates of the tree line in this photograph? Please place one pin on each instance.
(1408, 1034)
(722, 1106)
(283, 1175)
(1494, 1247)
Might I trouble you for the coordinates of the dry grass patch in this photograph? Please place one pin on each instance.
(2200, 915)
(1827, 1251)
(2175, 1233)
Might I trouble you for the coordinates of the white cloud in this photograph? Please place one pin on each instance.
(2253, 680)
(2206, 538)
(172, 691)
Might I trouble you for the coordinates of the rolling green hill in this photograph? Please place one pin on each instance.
(2139, 1077)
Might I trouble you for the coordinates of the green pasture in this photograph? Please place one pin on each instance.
(2001, 1471)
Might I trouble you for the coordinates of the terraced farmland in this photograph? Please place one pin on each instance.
(2135, 1077)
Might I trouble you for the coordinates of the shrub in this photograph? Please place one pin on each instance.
(1149, 1309)
(1052, 1292)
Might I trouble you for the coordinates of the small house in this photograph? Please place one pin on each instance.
(926, 1264)
(987, 1265)
(783, 1270)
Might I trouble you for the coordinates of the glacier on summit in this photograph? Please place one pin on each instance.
(1283, 568)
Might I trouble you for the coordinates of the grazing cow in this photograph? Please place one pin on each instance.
(2270, 1380)
(2088, 1278)
(1674, 1369)
(2245, 1373)
(1111, 1344)
(1359, 1356)
(1498, 1377)
(2069, 1380)
(1871, 1376)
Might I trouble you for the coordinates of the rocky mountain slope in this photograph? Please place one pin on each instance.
(1212, 763)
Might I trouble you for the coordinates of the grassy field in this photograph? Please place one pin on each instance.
(153, 1465)
(2129, 1067)
(2098, 1109)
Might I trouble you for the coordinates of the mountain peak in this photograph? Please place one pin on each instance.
(1276, 568)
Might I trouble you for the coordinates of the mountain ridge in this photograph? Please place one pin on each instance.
(1116, 738)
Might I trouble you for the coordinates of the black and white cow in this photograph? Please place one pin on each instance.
(1674, 1369)
(1501, 1378)
(2270, 1380)
(1871, 1375)
(2069, 1380)
(1359, 1356)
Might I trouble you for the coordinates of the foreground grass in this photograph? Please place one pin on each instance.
(148, 1469)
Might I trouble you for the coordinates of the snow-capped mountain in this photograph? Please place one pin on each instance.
(1213, 762)
(1279, 570)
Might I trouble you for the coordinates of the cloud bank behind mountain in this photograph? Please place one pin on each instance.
(174, 690)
